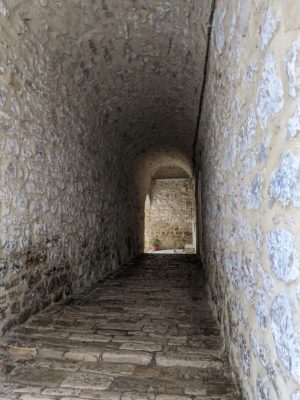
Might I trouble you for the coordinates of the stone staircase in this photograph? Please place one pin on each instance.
(146, 334)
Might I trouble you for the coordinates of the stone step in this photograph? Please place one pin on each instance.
(157, 342)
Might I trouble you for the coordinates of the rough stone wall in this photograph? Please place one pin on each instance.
(86, 87)
(169, 216)
(65, 203)
(250, 162)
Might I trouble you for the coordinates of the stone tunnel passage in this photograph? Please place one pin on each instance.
(96, 97)
(148, 333)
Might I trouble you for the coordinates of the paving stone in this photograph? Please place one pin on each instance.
(142, 338)
(82, 355)
(28, 389)
(23, 351)
(58, 365)
(45, 352)
(130, 357)
(85, 380)
(61, 392)
(187, 360)
(138, 396)
(141, 346)
(35, 397)
(90, 338)
(110, 369)
(172, 397)
(38, 376)
(138, 337)
(105, 395)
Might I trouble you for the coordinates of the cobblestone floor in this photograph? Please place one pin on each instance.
(147, 334)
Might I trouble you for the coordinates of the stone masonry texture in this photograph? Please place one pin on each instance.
(138, 336)
(250, 163)
(87, 88)
(169, 216)
(98, 99)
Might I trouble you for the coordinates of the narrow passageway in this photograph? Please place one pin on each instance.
(131, 124)
(147, 333)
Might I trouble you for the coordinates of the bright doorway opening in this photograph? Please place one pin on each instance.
(170, 213)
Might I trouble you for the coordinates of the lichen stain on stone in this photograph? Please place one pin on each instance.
(283, 254)
(247, 132)
(270, 93)
(244, 15)
(219, 29)
(263, 390)
(290, 67)
(293, 124)
(287, 340)
(295, 396)
(245, 355)
(253, 194)
(285, 181)
(3, 9)
(251, 70)
(261, 309)
(270, 25)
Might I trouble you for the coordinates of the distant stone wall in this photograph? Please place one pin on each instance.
(250, 162)
(169, 216)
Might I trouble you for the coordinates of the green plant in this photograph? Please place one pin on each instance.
(154, 242)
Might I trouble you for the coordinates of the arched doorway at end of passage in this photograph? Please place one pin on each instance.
(170, 216)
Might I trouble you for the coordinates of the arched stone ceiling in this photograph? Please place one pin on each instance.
(134, 65)
(151, 162)
(170, 173)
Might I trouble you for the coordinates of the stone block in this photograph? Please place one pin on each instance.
(128, 357)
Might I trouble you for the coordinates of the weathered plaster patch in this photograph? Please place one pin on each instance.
(249, 164)
(261, 309)
(298, 293)
(244, 15)
(268, 282)
(287, 342)
(270, 25)
(263, 390)
(264, 148)
(283, 255)
(290, 67)
(259, 349)
(163, 10)
(234, 271)
(240, 312)
(219, 29)
(258, 238)
(2, 96)
(232, 28)
(245, 355)
(253, 194)
(270, 93)
(3, 9)
(248, 131)
(249, 74)
(293, 124)
(3, 268)
(254, 343)
(285, 182)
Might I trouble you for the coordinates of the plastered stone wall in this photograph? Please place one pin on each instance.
(169, 213)
(249, 140)
(87, 87)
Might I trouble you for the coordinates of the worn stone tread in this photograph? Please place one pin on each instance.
(147, 336)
